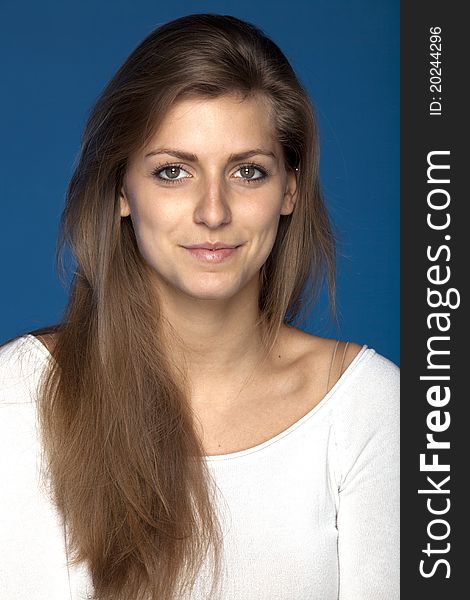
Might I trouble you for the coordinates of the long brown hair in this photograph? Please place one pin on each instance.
(121, 452)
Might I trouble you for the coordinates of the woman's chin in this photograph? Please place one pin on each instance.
(206, 286)
(212, 294)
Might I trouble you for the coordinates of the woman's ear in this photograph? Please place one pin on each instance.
(290, 195)
(125, 208)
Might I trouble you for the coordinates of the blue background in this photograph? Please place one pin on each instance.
(59, 55)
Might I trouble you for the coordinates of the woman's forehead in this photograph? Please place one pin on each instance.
(227, 121)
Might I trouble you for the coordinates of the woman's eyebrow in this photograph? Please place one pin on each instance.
(193, 158)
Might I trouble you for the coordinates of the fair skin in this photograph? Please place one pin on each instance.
(239, 399)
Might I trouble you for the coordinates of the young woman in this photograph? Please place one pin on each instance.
(174, 436)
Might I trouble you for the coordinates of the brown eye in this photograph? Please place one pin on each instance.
(248, 172)
(171, 172)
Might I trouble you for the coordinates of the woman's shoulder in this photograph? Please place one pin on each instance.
(322, 361)
(330, 352)
(354, 376)
(365, 419)
(317, 347)
(22, 362)
(370, 384)
(365, 406)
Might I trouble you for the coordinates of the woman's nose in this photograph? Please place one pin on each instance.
(212, 208)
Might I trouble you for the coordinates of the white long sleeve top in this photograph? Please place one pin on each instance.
(311, 514)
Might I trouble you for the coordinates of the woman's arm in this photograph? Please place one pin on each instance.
(367, 438)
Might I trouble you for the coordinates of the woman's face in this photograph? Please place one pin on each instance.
(188, 187)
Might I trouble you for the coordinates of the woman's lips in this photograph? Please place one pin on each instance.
(212, 256)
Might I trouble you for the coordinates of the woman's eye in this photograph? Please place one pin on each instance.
(247, 172)
(169, 173)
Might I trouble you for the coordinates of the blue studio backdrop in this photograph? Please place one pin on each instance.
(58, 55)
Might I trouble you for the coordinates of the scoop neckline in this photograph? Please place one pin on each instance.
(364, 351)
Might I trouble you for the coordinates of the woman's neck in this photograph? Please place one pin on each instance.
(216, 342)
